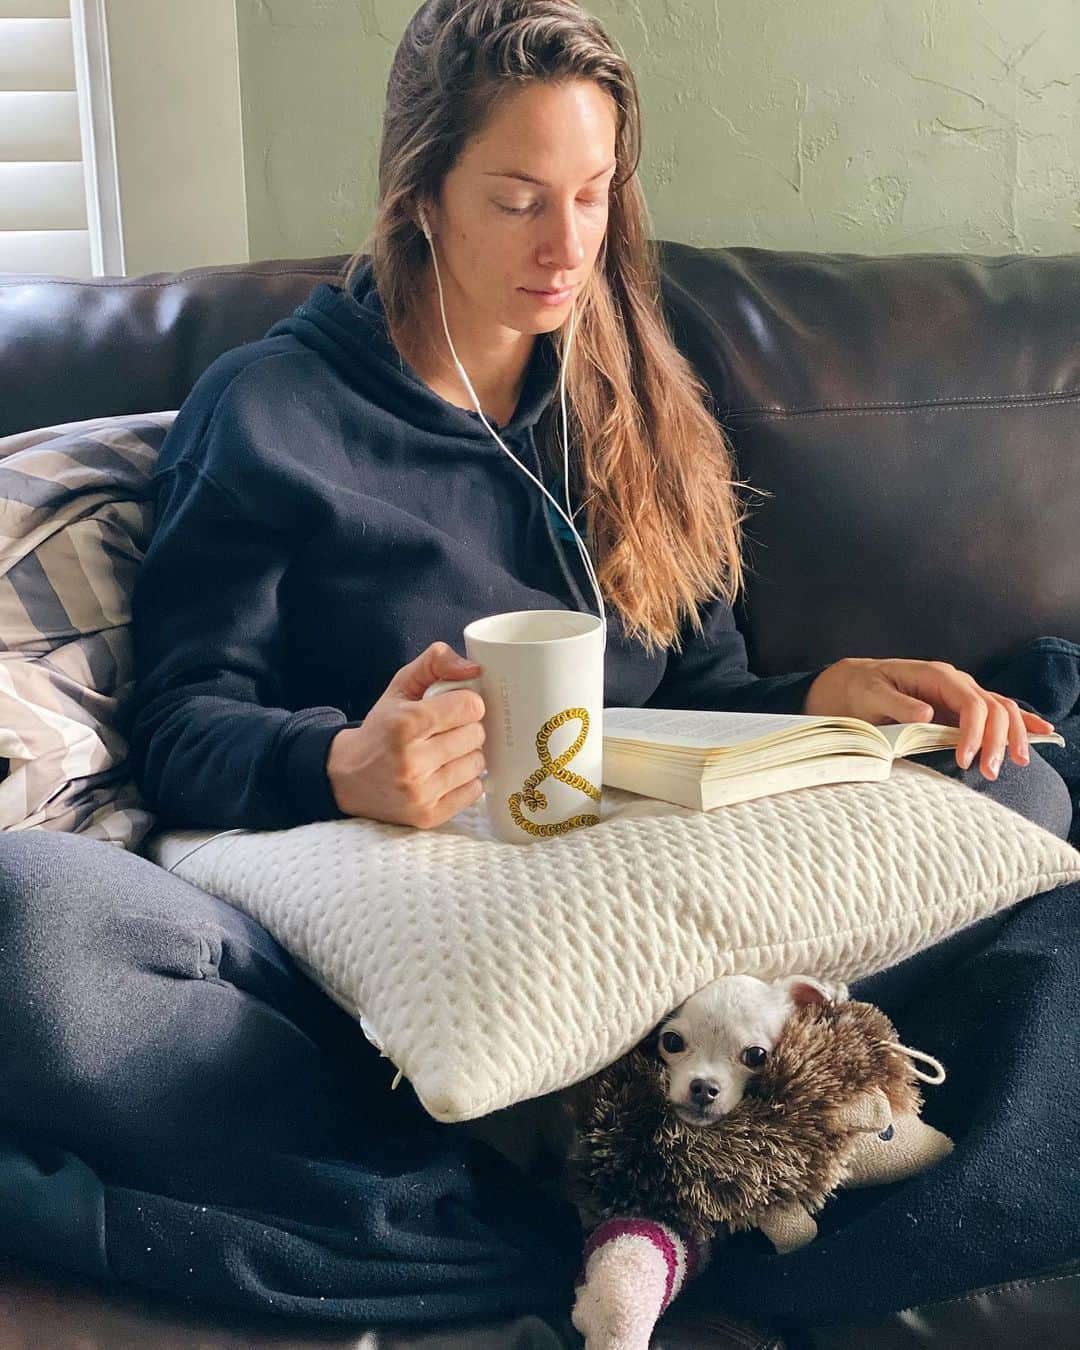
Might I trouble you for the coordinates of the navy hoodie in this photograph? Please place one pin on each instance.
(322, 517)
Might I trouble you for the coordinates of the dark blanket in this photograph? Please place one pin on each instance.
(1043, 676)
(184, 1111)
(411, 1223)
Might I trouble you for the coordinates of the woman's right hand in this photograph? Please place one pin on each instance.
(414, 761)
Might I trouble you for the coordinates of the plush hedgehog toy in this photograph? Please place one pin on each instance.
(836, 1105)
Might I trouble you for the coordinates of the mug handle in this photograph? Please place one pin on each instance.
(441, 686)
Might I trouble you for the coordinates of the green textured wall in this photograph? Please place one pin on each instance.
(850, 125)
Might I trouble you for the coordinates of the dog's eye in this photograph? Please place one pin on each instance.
(754, 1056)
(672, 1042)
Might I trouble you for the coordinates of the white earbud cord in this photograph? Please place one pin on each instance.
(582, 549)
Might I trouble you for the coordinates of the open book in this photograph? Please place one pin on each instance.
(707, 759)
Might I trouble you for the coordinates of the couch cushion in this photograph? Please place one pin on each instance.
(75, 516)
(914, 417)
(490, 973)
(78, 347)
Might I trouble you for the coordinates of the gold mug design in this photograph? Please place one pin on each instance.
(555, 768)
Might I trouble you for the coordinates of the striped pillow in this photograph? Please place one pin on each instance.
(76, 513)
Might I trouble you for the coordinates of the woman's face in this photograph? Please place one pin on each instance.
(499, 237)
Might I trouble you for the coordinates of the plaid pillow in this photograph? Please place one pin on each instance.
(76, 514)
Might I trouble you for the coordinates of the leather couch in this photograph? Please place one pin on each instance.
(914, 419)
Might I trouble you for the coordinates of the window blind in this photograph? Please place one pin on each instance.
(43, 216)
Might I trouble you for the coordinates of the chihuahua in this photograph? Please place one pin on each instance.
(712, 1044)
(715, 1041)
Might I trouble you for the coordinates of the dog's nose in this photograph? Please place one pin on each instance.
(704, 1090)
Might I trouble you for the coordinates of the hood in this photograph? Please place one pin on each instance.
(347, 326)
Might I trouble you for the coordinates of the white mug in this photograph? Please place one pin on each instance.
(543, 689)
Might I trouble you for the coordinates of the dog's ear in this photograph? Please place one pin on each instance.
(805, 989)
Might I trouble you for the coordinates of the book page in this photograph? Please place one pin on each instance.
(928, 734)
(650, 780)
(917, 738)
(700, 729)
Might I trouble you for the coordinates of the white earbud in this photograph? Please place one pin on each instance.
(424, 225)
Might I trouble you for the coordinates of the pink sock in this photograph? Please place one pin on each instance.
(633, 1270)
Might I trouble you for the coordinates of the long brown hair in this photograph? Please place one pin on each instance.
(654, 467)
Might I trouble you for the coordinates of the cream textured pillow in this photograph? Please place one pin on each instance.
(490, 973)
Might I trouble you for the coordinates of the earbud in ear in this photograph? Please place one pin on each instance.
(424, 225)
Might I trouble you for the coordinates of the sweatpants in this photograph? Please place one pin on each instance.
(183, 1110)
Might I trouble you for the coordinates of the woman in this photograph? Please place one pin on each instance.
(334, 479)
(331, 511)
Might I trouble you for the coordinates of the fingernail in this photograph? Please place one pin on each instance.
(1025, 758)
(966, 756)
(995, 765)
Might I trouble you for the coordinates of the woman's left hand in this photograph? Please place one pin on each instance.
(891, 690)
